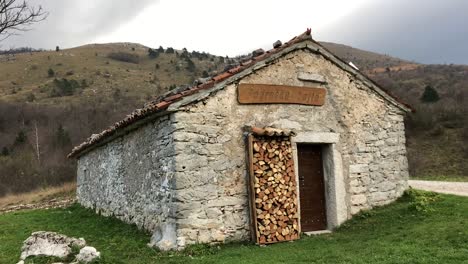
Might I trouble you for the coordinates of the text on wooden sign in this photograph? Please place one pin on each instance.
(280, 94)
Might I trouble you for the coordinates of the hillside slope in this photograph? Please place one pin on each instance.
(52, 100)
(125, 69)
(364, 60)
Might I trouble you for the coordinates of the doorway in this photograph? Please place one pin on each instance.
(311, 187)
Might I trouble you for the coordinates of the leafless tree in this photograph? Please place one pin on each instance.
(18, 16)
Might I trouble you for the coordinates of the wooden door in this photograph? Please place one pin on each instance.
(311, 187)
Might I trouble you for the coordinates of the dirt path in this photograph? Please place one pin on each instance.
(457, 188)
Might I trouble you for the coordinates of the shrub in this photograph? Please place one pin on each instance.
(190, 65)
(21, 138)
(153, 53)
(421, 201)
(124, 57)
(30, 97)
(50, 72)
(5, 151)
(84, 83)
(64, 87)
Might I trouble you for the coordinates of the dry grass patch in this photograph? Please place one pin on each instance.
(66, 190)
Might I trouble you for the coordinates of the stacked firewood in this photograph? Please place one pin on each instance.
(275, 190)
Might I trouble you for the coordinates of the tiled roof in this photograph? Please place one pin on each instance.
(161, 103)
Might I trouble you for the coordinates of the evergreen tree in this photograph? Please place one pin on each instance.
(190, 65)
(169, 50)
(5, 151)
(62, 138)
(21, 138)
(50, 72)
(430, 95)
(152, 53)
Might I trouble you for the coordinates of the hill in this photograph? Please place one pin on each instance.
(437, 133)
(364, 60)
(52, 100)
(108, 70)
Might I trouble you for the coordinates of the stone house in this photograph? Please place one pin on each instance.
(179, 167)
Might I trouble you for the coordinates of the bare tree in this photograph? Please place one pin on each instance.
(18, 16)
(38, 152)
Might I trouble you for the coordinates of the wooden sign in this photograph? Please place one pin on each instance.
(280, 94)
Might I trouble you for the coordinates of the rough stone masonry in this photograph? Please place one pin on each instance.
(183, 176)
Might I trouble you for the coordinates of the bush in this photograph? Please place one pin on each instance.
(64, 87)
(124, 57)
(50, 72)
(30, 97)
(421, 201)
(190, 65)
(5, 151)
(153, 53)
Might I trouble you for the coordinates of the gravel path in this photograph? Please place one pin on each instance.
(457, 188)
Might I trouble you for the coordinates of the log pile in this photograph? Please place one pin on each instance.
(274, 186)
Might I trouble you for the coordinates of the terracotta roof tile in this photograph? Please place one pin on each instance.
(162, 104)
(206, 85)
(222, 76)
(173, 98)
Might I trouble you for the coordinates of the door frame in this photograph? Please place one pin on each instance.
(334, 184)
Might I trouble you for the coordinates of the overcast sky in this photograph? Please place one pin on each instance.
(428, 31)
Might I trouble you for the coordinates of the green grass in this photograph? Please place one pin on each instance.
(391, 234)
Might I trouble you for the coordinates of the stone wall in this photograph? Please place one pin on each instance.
(184, 176)
(211, 167)
(132, 178)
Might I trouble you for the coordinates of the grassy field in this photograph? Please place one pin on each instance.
(391, 234)
(67, 190)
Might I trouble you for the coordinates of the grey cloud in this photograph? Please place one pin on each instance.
(72, 23)
(427, 31)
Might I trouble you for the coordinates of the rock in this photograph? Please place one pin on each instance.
(358, 199)
(49, 244)
(164, 237)
(87, 255)
(257, 52)
(277, 44)
(311, 77)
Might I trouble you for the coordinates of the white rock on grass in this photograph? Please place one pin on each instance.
(49, 244)
(87, 254)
